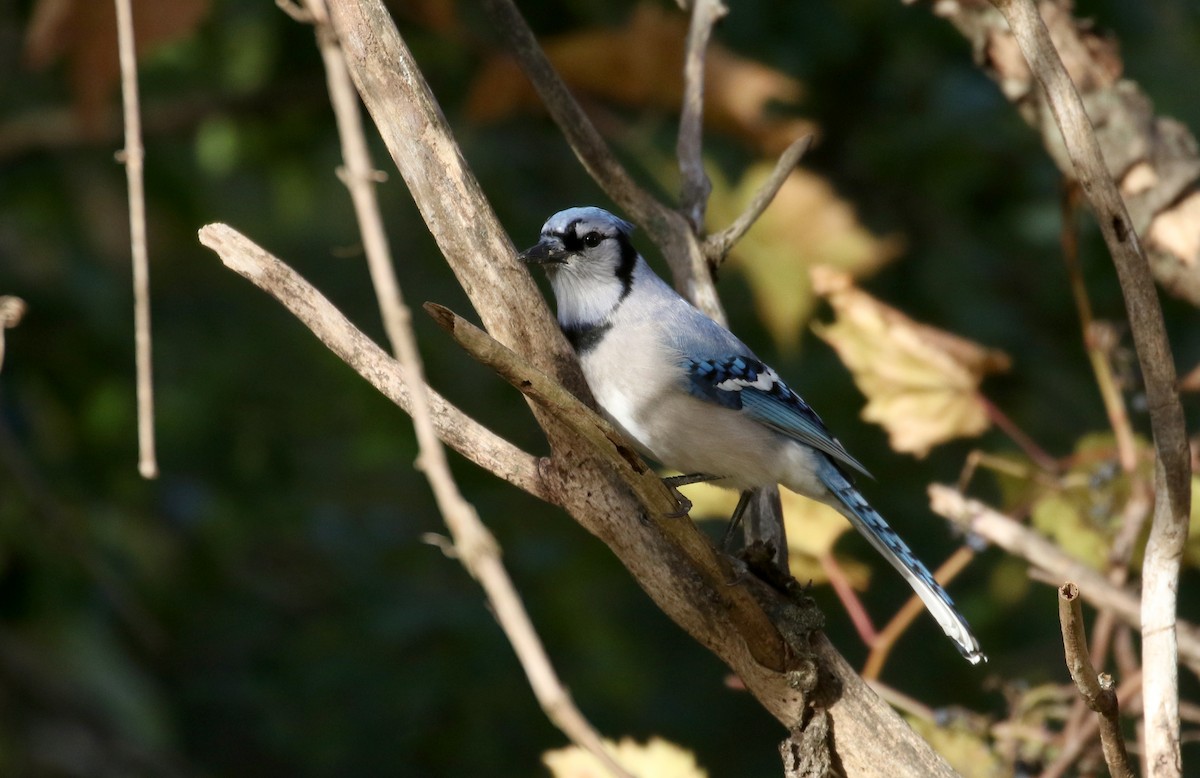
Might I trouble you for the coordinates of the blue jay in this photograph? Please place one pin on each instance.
(695, 398)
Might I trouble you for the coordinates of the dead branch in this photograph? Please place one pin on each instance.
(717, 245)
(1095, 689)
(359, 175)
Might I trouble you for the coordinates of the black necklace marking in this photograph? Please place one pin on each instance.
(629, 257)
(585, 337)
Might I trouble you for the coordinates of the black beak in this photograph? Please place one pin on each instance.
(545, 252)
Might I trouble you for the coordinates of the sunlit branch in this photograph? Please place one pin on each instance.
(132, 155)
(1018, 540)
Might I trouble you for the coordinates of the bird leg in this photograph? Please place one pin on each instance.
(742, 503)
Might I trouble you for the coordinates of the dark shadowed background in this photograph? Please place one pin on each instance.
(267, 606)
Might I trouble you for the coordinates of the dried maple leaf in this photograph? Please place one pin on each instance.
(656, 757)
(641, 65)
(921, 383)
(806, 225)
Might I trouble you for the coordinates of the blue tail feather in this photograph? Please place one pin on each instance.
(885, 540)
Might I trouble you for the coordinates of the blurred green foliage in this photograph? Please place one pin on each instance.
(267, 606)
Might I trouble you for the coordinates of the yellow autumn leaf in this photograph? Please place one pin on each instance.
(967, 752)
(657, 758)
(806, 225)
(921, 383)
(1063, 517)
(1191, 552)
(1083, 510)
(640, 65)
(812, 531)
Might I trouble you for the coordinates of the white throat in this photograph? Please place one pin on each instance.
(587, 295)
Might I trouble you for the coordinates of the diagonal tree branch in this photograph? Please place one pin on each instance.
(717, 245)
(1020, 541)
(462, 433)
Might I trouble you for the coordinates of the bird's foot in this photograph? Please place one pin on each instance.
(673, 483)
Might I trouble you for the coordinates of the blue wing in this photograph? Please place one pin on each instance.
(746, 384)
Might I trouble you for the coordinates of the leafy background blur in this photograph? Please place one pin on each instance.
(267, 606)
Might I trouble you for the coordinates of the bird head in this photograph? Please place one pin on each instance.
(584, 243)
(589, 260)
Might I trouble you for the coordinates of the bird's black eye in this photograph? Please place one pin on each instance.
(592, 239)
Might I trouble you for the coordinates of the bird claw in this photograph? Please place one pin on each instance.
(673, 482)
(685, 505)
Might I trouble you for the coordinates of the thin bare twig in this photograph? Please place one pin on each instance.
(695, 186)
(1097, 340)
(132, 156)
(1096, 690)
(1074, 746)
(462, 433)
(359, 175)
(1168, 530)
(1022, 542)
(717, 245)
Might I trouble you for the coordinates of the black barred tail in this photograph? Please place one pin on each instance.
(885, 540)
